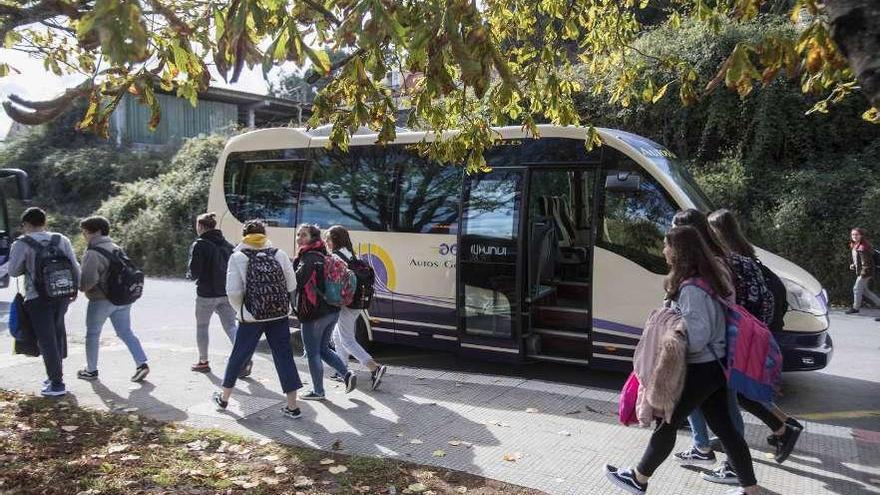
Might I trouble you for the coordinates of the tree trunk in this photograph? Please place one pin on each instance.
(855, 27)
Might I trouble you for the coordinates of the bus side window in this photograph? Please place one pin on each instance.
(429, 197)
(635, 221)
(354, 189)
(261, 185)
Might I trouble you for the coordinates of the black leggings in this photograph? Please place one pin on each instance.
(705, 386)
(761, 412)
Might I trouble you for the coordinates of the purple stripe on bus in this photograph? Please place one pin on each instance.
(617, 327)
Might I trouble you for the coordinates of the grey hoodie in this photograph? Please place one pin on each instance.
(705, 323)
(95, 268)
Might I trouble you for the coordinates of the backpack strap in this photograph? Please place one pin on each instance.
(110, 255)
(33, 243)
(55, 240)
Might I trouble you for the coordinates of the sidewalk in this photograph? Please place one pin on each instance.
(556, 437)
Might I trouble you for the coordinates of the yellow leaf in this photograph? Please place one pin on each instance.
(439, 453)
(337, 469)
(326, 462)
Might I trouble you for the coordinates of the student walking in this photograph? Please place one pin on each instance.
(338, 242)
(317, 318)
(751, 292)
(863, 264)
(259, 283)
(102, 263)
(705, 385)
(208, 261)
(51, 271)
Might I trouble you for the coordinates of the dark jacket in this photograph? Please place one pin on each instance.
(863, 260)
(309, 268)
(208, 259)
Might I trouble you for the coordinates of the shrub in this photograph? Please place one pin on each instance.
(153, 218)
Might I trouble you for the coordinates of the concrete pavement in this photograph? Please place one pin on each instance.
(556, 436)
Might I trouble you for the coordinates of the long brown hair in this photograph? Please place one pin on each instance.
(697, 220)
(340, 238)
(865, 242)
(690, 257)
(726, 227)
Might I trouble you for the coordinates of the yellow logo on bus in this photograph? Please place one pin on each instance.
(378, 258)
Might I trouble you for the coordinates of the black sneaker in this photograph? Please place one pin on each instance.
(85, 374)
(140, 373)
(723, 474)
(351, 381)
(851, 311)
(716, 445)
(786, 442)
(694, 456)
(336, 377)
(772, 439)
(218, 400)
(246, 369)
(291, 413)
(311, 396)
(376, 377)
(626, 479)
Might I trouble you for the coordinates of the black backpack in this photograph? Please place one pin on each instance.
(265, 288)
(780, 298)
(366, 279)
(125, 282)
(876, 254)
(55, 276)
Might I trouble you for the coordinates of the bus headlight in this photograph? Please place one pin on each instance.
(800, 299)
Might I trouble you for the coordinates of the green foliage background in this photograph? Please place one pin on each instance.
(799, 182)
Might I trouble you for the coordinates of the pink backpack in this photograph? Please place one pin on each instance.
(629, 394)
(754, 361)
(340, 283)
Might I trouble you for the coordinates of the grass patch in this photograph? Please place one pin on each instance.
(55, 447)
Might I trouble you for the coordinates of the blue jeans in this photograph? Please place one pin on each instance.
(700, 429)
(97, 313)
(278, 336)
(316, 341)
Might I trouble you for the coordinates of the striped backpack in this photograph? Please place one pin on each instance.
(754, 361)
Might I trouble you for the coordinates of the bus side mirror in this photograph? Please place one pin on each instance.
(623, 182)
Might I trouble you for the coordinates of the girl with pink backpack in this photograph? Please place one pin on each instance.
(705, 383)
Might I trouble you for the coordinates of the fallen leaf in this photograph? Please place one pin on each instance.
(302, 482)
(531, 410)
(325, 462)
(416, 441)
(272, 458)
(417, 488)
(280, 469)
(438, 453)
(153, 446)
(197, 445)
(133, 418)
(113, 449)
(265, 441)
(461, 489)
(513, 457)
(270, 481)
(565, 433)
(70, 428)
(337, 469)
(130, 409)
(455, 443)
(129, 457)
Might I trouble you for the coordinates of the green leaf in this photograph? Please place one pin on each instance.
(4, 70)
(320, 58)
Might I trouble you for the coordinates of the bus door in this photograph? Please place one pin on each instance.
(489, 277)
(14, 193)
(559, 231)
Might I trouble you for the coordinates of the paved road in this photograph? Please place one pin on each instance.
(437, 398)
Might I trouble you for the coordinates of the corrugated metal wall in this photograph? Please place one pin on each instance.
(179, 120)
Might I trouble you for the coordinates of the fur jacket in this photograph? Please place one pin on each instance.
(660, 364)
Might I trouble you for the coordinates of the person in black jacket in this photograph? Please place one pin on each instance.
(209, 256)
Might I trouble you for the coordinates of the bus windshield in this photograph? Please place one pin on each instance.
(667, 162)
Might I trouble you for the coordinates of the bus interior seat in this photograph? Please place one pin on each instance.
(544, 257)
(561, 213)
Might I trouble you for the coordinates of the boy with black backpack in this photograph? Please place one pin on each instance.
(112, 283)
(208, 261)
(47, 261)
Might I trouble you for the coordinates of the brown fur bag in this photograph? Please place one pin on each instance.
(660, 363)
